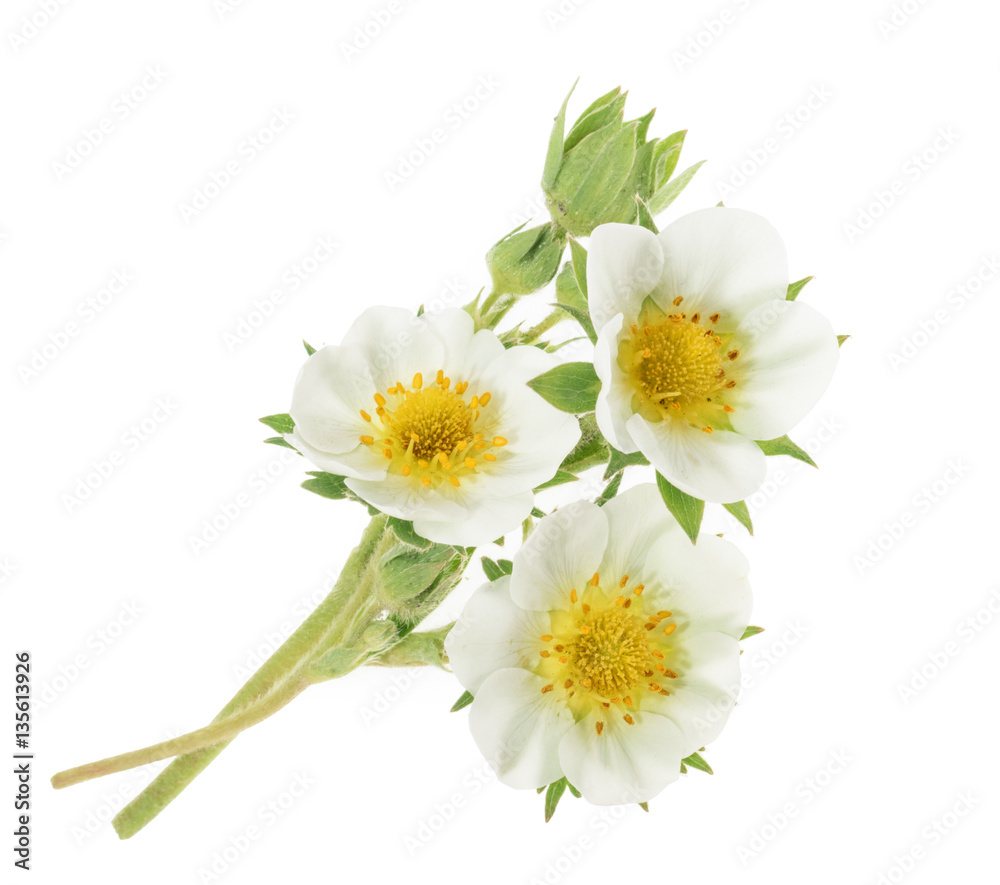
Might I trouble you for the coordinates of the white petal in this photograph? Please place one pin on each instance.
(614, 402)
(722, 260)
(561, 554)
(396, 344)
(493, 634)
(538, 435)
(624, 764)
(705, 584)
(332, 387)
(518, 729)
(788, 352)
(455, 328)
(405, 498)
(624, 263)
(483, 349)
(637, 520)
(703, 695)
(720, 467)
(361, 463)
(486, 519)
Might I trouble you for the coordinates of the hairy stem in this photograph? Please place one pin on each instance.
(283, 676)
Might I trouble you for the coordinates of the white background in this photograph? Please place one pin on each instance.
(906, 444)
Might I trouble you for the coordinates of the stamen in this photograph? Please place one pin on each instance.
(623, 582)
(547, 688)
(599, 726)
(485, 398)
(499, 441)
(365, 415)
(628, 719)
(670, 629)
(367, 440)
(418, 381)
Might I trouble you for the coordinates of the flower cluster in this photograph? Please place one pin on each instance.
(605, 655)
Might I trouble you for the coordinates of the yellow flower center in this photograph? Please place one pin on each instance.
(610, 657)
(677, 364)
(606, 652)
(432, 433)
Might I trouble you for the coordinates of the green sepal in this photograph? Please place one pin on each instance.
(619, 461)
(329, 485)
(280, 441)
(310, 350)
(645, 219)
(464, 700)
(571, 387)
(742, 513)
(687, 510)
(751, 631)
(552, 796)
(404, 531)
(841, 339)
(280, 423)
(795, 288)
(695, 761)
(561, 478)
(784, 446)
(554, 155)
(610, 490)
(672, 189)
(591, 450)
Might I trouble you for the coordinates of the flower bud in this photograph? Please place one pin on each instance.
(593, 174)
(526, 260)
(405, 571)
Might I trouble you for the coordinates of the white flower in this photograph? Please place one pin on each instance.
(699, 354)
(608, 655)
(432, 422)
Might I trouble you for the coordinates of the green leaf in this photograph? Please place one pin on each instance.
(695, 761)
(309, 348)
(281, 423)
(573, 790)
(552, 797)
(645, 218)
(684, 768)
(280, 441)
(538, 514)
(619, 461)
(559, 479)
(462, 702)
(571, 387)
(795, 288)
(672, 189)
(610, 490)
(404, 531)
(751, 631)
(644, 806)
(841, 339)
(491, 569)
(686, 510)
(329, 485)
(740, 511)
(554, 155)
(579, 259)
(784, 446)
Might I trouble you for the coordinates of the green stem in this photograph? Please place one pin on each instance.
(488, 302)
(283, 676)
(536, 332)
